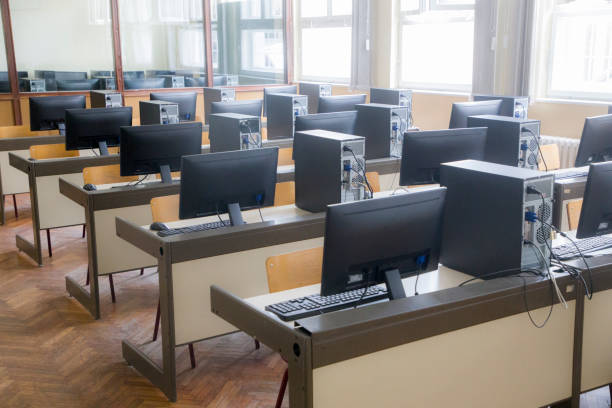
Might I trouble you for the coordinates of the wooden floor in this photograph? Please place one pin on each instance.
(53, 354)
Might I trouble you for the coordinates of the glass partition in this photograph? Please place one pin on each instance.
(62, 45)
(162, 43)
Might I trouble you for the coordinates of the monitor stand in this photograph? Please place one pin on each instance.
(235, 215)
(103, 148)
(395, 288)
(166, 175)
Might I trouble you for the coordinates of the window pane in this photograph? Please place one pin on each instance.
(326, 53)
(437, 51)
(162, 42)
(410, 5)
(5, 86)
(66, 44)
(342, 7)
(247, 42)
(313, 8)
(582, 54)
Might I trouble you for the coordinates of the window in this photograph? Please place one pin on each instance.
(324, 40)
(580, 51)
(5, 86)
(74, 52)
(436, 44)
(247, 42)
(162, 43)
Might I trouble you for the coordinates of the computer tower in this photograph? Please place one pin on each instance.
(329, 169)
(173, 81)
(158, 113)
(96, 74)
(383, 127)
(216, 95)
(105, 99)
(390, 96)
(510, 141)
(48, 77)
(106, 82)
(232, 80)
(32, 85)
(513, 106)
(233, 131)
(314, 92)
(282, 111)
(485, 230)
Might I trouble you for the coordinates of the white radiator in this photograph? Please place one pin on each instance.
(568, 149)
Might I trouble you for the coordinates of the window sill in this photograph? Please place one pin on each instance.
(569, 101)
(438, 92)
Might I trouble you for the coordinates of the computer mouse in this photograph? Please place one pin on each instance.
(89, 187)
(158, 226)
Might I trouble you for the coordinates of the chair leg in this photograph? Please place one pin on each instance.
(192, 356)
(610, 389)
(87, 277)
(283, 387)
(15, 206)
(157, 317)
(112, 288)
(141, 271)
(49, 242)
(256, 344)
(84, 229)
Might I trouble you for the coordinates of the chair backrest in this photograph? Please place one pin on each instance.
(284, 156)
(550, 155)
(373, 180)
(51, 151)
(573, 214)
(105, 175)
(165, 209)
(294, 270)
(285, 193)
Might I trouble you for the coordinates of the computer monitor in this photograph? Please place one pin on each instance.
(77, 85)
(381, 240)
(596, 142)
(49, 112)
(96, 128)
(340, 103)
(70, 75)
(152, 149)
(186, 102)
(461, 111)
(288, 89)
(341, 122)
(145, 83)
(596, 213)
(424, 151)
(216, 183)
(248, 107)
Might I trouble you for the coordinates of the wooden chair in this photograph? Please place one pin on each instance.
(573, 214)
(51, 151)
(550, 156)
(373, 180)
(165, 209)
(106, 175)
(285, 193)
(284, 156)
(290, 271)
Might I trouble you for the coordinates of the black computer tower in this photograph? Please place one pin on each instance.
(158, 113)
(282, 111)
(484, 229)
(105, 99)
(106, 82)
(326, 173)
(216, 95)
(510, 141)
(173, 81)
(233, 131)
(383, 127)
(314, 92)
(513, 106)
(32, 85)
(390, 96)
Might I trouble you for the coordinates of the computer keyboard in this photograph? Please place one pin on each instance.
(587, 245)
(316, 304)
(193, 228)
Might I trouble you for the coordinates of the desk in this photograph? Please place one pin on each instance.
(51, 209)
(470, 346)
(11, 180)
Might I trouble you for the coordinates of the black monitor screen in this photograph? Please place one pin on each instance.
(86, 128)
(596, 141)
(340, 103)
(186, 102)
(46, 112)
(462, 110)
(341, 122)
(249, 107)
(596, 213)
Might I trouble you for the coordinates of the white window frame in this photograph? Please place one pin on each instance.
(329, 21)
(404, 19)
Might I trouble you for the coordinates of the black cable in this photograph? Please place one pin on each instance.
(260, 216)
(364, 292)
(365, 178)
(535, 137)
(416, 281)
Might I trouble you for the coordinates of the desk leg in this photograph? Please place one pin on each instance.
(578, 335)
(33, 250)
(2, 203)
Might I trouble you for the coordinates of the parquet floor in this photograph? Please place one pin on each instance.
(53, 354)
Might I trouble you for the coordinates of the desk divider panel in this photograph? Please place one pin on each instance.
(242, 273)
(56, 210)
(461, 368)
(13, 181)
(597, 365)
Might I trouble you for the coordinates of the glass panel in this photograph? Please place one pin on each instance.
(342, 7)
(313, 8)
(247, 42)
(162, 42)
(63, 44)
(5, 86)
(332, 45)
(410, 5)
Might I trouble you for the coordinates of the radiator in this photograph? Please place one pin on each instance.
(568, 149)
